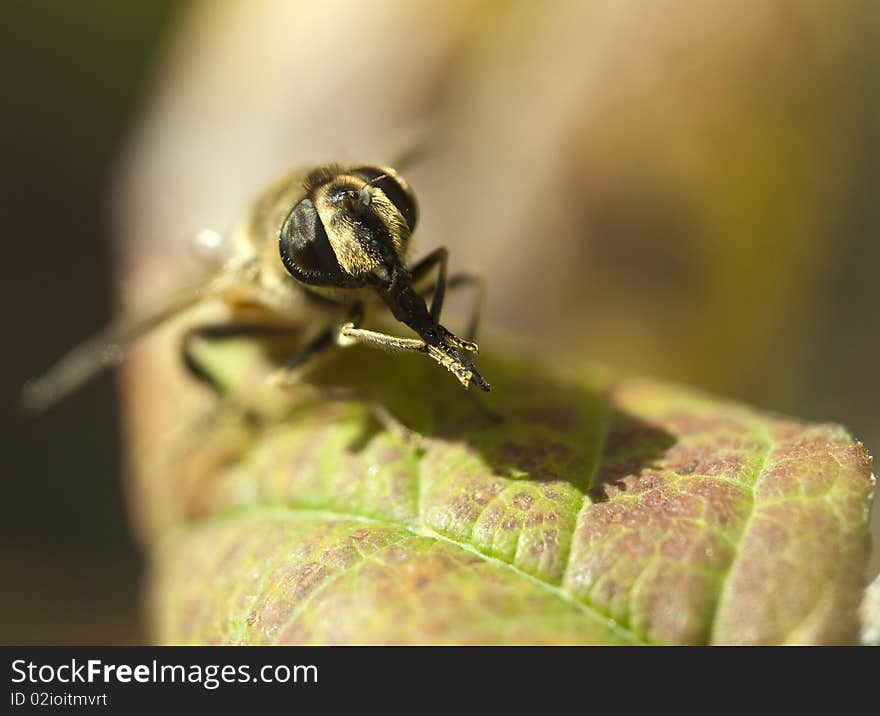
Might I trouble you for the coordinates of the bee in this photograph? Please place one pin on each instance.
(321, 245)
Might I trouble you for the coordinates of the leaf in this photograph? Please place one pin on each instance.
(599, 510)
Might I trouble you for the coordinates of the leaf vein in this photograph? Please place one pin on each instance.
(724, 579)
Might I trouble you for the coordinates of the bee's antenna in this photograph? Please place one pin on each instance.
(362, 194)
(374, 180)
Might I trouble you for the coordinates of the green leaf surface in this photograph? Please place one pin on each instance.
(597, 510)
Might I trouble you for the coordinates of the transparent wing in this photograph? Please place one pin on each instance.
(108, 348)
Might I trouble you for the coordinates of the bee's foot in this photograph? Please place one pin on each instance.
(461, 369)
(460, 343)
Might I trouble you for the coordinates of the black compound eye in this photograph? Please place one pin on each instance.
(305, 249)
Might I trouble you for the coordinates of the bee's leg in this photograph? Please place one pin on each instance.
(326, 339)
(442, 284)
(420, 270)
(234, 415)
(349, 334)
(330, 337)
(289, 374)
(233, 411)
(219, 332)
(459, 280)
(344, 335)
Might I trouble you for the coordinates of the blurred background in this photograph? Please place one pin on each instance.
(684, 192)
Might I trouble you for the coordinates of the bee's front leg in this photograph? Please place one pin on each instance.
(341, 335)
(462, 279)
(307, 355)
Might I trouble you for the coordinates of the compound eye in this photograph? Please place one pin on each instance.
(305, 249)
